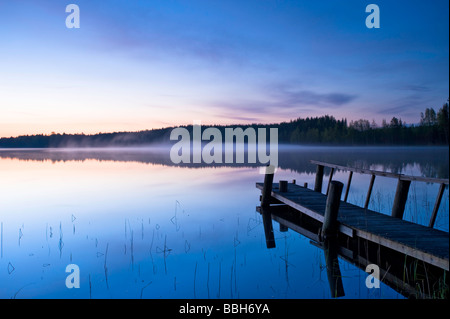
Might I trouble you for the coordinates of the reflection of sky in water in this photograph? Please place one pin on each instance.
(154, 231)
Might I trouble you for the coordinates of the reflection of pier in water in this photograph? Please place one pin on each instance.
(409, 276)
(412, 259)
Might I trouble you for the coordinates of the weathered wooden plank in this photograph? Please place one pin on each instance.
(381, 173)
(425, 179)
(356, 170)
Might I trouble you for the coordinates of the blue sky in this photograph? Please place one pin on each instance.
(142, 64)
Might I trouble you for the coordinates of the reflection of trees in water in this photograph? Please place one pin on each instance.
(434, 170)
(432, 161)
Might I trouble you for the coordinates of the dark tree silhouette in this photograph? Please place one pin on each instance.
(325, 130)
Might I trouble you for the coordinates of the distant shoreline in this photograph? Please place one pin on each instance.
(323, 131)
(282, 147)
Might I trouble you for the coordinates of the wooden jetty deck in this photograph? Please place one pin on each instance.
(424, 243)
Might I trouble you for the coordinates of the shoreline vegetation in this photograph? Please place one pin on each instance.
(432, 130)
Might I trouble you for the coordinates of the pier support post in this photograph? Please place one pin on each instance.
(267, 188)
(329, 226)
(437, 203)
(283, 186)
(401, 195)
(329, 181)
(348, 185)
(369, 192)
(319, 179)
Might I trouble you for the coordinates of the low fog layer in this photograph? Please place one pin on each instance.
(433, 161)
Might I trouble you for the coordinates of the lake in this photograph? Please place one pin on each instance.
(138, 226)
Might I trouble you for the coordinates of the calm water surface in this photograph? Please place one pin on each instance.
(139, 227)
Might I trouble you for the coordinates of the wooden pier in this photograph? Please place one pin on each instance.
(417, 241)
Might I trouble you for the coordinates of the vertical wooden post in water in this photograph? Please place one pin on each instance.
(401, 195)
(319, 179)
(329, 181)
(369, 192)
(283, 186)
(266, 198)
(267, 188)
(436, 206)
(348, 185)
(329, 226)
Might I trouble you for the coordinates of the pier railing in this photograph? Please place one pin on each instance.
(401, 194)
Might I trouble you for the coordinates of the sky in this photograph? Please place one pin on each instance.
(142, 64)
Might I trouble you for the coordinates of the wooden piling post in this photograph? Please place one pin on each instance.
(401, 195)
(267, 189)
(348, 185)
(436, 205)
(283, 186)
(329, 226)
(329, 181)
(319, 179)
(369, 192)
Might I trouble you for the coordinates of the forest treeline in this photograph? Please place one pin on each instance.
(433, 129)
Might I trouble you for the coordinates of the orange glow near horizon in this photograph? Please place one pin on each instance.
(91, 127)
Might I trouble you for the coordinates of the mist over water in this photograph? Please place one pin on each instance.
(431, 161)
(139, 226)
